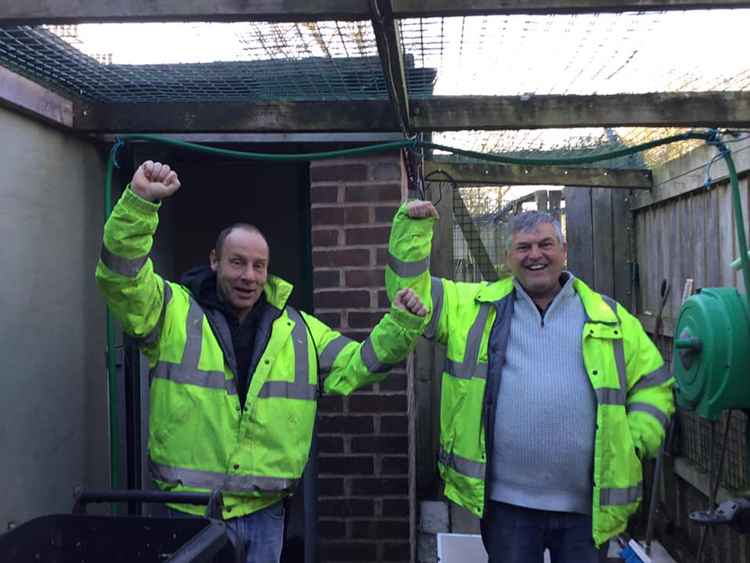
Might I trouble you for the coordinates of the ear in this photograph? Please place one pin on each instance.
(213, 260)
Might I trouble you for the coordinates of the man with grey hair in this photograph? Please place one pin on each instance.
(551, 393)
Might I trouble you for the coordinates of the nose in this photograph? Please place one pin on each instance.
(248, 274)
(535, 252)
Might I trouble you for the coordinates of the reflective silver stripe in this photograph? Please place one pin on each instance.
(471, 367)
(408, 269)
(128, 267)
(331, 352)
(370, 359)
(191, 376)
(214, 480)
(437, 306)
(465, 370)
(187, 371)
(462, 465)
(650, 409)
(300, 388)
(151, 338)
(610, 396)
(653, 379)
(619, 496)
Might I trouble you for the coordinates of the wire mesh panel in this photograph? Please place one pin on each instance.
(191, 62)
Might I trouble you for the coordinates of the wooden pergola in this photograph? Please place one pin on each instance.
(398, 113)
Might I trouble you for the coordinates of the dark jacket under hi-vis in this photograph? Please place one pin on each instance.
(199, 436)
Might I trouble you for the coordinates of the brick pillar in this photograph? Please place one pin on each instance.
(363, 438)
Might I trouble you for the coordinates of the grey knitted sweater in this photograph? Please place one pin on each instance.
(546, 409)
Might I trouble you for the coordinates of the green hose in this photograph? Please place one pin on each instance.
(371, 149)
(738, 218)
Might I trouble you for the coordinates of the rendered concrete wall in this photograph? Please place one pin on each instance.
(53, 418)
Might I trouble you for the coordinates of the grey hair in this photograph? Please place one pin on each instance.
(528, 221)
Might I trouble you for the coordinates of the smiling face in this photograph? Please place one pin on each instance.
(536, 257)
(241, 266)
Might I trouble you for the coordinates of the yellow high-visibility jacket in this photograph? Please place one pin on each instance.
(633, 389)
(200, 438)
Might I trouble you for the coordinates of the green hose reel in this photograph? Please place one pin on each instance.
(711, 359)
(711, 354)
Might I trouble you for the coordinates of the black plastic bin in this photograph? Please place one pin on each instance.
(85, 538)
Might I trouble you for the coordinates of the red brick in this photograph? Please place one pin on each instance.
(357, 215)
(397, 552)
(380, 529)
(381, 256)
(338, 172)
(330, 445)
(341, 299)
(327, 216)
(348, 551)
(345, 425)
(395, 465)
(386, 192)
(380, 444)
(324, 193)
(345, 507)
(330, 486)
(372, 277)
(333, 320)
(334, 529)
(377, 403)
(326, 278)
(358, 319)
(385, 214)
(367, 235)
(346, 465)
(385, 171)
(394, 424)
(394, 382)
(380, 486)
(395, 507)
(331, 404)
(325, 237)
(342, 257)
(383, 301)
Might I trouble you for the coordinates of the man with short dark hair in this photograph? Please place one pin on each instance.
(552, 394)
(235, 371)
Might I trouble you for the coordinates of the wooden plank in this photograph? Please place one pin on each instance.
(687, 173)
(555, 200)
(699, 212)
(726, 235)
(391, 54)
(621, 251)
(704, 109)
(642, 258)
(579, 232)
(35, 12)
(713, 269)
(21, 94)
(432, 8)
(479, 174)
(540, 197)
(671, 261)
(601, 213)
(445, 113)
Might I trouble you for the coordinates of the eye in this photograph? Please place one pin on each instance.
(235, 262)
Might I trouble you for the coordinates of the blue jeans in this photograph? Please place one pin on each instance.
(261, 534)
(514, 534)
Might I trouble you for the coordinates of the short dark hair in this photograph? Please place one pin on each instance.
(227, 231)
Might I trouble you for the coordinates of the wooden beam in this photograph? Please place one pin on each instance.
(237, 117)
(433, 8)
(448, 113)
(391, 59)
(705, 109)
(506, 174)
(26, 96)
(36, 12)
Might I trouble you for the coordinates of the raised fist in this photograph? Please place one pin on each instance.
(421, 210)
(154, 181)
